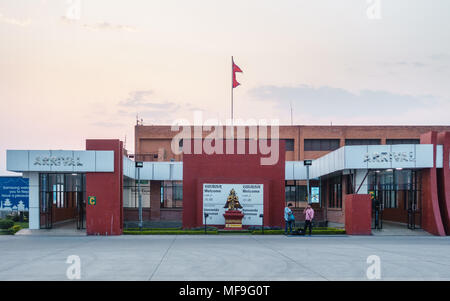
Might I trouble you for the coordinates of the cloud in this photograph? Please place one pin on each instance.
(416, 64)
(439, 56)
(99, 25)
(329, 102)
(143, 99)
(107, 124)
(14, 21)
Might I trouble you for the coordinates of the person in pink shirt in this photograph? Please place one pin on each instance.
(309, 215)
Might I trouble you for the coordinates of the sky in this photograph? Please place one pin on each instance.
(76, 69)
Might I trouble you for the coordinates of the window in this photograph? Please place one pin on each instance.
(131, 189)
(396, 188)
(289, 144)
(321, 144)
(402, 141)
(171, 194)
(177, 192)
(295, 194)
(335, 192)
(61, 190)
(362, 141)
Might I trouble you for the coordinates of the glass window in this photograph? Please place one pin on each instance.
(289, 144)
(171, 194)
(396, 188)
(335, 192)
(402, 141)
(295, 194)
(321, 144)
(362, 141)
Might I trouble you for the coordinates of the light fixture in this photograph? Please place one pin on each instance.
(398, 168)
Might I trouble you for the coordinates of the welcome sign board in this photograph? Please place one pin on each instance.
(250, 196)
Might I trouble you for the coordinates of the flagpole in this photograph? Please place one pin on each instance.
(232, 117)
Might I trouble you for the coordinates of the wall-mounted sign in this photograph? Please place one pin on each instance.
(307, 162)
(57, 161)
(250, 196)
(390, 157)
(14, 194)
(315, 194)
(92, 200)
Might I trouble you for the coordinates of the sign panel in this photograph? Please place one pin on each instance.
(14, 194)
(315, 194)
(60, 161)
(92, 200)
(250, 196)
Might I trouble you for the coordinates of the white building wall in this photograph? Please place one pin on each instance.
(360, 174)
(34, 212)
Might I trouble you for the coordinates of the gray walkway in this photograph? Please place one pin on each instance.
(392, 228)
(230, 257)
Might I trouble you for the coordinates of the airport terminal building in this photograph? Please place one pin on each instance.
(359, 177)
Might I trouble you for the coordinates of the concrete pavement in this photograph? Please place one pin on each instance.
(224, 257)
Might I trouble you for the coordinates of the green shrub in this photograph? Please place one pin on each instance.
(270, 232)
(155, 229)
(14, 217)
(315, 231)
(166, 232)
(6, 223)
(14, 229)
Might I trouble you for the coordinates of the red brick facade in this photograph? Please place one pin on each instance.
(154, 143)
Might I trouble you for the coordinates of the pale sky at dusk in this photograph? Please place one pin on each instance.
(65, 79)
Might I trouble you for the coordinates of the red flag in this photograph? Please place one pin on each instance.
(235, 69)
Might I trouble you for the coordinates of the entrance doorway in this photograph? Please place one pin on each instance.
(62, 200)
(396, 197)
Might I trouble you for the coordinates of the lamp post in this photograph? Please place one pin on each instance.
(307, 163)
(139, 165)
(206, 215)
(262, 222)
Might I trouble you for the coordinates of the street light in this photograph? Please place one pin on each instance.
(262, 222)
(206, 215)
(307, 163)
(139, 165)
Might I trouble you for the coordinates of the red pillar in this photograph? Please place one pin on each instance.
(358, 214)
(444, 181)
(431, 215)
(106, 216)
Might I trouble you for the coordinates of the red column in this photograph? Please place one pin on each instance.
(444, 181)
(358, 214)
(431, 216)
(106, 217)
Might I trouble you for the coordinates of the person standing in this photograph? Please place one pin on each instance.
(309, 215)
(288, 218)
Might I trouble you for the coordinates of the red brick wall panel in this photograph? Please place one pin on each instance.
(106, 217)
(233, 168)
(358, 214)
(444, 181)
(431, 215)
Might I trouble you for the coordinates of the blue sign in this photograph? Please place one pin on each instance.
(14, 194)
(315, 195)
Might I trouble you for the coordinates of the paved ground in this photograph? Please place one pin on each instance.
(224, 257)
